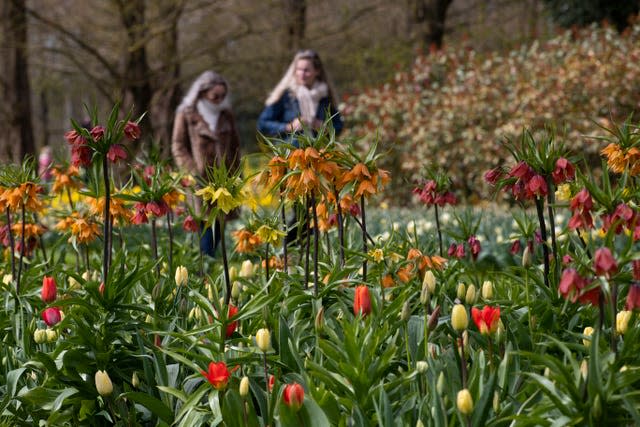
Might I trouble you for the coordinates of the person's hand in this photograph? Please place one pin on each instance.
(295, 125)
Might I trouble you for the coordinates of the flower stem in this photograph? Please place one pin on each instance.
(225, 264)
(439, 230)
(316, 244)
(154, 244)
(12, 245)
(266, 262)
(170, 231)
(266, 387)
(364, 238)
(284, 241)
(614, 298)
(106, 218)
(23, 214)
(340, 227)
(543, 235)
(552, 226)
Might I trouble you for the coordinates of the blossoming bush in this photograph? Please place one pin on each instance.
(454, 107)
(441, 315)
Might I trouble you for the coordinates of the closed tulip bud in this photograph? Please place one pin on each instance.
(470, 297)
(210, 291)
(459, 318)
(263, 339)
(596, 408)
(86, 276)
(422, 366)
(244, 386)
(73, 283)
(135, 381)
(319, 320)
(236, 289)
(246, 270)
(622, 321)
(40, 336)
(584, 369)
(527, 257)
(588, 331)
(440, 383)
(419, 423)
(405, 314)
(182, 275)
(156, 291)
(52, 335)
(103, 383)
(429, 280)
(293, 396)
(95, 275)
(49, 289)
(7, 279)
(432, 322)
(425, 296)
(487, 290)
(233, 273)
(500, 335)
(496, 402)
(464, 402)
(461, 291)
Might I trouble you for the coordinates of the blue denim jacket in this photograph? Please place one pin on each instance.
(275, 117)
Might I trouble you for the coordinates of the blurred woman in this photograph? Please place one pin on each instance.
(205, 135)
(302, 99)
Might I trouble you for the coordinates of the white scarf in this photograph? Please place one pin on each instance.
(210, 112)
(308, 99)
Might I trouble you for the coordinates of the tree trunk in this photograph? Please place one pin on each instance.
(16, 139)
(167, 92)
(295, 20)
(136, 83)
(427, 22)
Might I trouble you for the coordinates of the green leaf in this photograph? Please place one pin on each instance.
(46, 398)
(156, 406)
(309, 415)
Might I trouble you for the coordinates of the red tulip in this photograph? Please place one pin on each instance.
(571, 283)
(537, 186)
(633, 297)
(361, 301)
(293, 396)
(487, 319)
(272, 381)
(132, 131)
(604, 263)
(231, 327)
(51, 316)
(49, 289)
(474, 245)
(218, 375)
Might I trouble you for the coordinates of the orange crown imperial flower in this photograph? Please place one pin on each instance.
(487, 319)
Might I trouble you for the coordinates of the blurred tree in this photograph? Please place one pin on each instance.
(584, 12)
(427, 22)
(296, 18)
(16, 138)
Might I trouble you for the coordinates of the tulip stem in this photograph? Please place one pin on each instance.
(266, 385)
(463, 362)
(426, 335)
(406, 342)
(614, 298)
(154, 245)
(552, 229)
(284, 222)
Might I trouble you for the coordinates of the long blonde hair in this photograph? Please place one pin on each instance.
(288, 81)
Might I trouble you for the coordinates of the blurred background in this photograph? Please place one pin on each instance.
(58, 56)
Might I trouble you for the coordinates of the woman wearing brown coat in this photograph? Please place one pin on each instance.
(204, 135)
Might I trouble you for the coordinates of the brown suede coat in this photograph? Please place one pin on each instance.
(195, 147)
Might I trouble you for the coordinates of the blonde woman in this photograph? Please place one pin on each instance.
(302, 99)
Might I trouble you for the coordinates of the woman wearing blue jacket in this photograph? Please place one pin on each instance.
(302, 99)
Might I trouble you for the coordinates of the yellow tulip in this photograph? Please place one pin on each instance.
(263, 339)
(103, 383)
(464, 402)
(459, 318)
